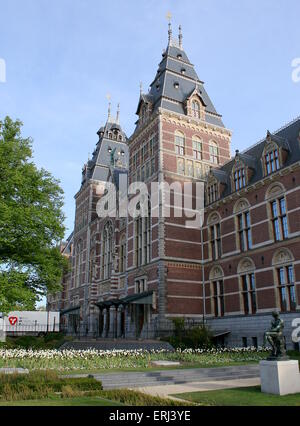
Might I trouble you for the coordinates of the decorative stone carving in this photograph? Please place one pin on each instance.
(282, 256)
(216, 273)
(246, 265)
(241, 205)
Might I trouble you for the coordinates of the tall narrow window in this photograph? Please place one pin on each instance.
(212, 192)
(107, 247)
(244, 231)
(179, 143)
(279, 219)
(215, 241)
(213, 153)
(249, 294)
(197, 148)
(287, 293)
(143, 238)
(239, 179)
(195, 109)
(218, 298)
(272, 161)
(122, 258)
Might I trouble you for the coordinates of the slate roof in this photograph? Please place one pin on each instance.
(163, 93)
(98, 167)
(287, 137)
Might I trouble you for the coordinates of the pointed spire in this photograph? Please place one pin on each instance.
(118, 114)
(180, 37)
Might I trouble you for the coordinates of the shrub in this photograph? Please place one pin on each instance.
(130, 397)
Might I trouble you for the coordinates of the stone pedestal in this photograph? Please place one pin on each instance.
(280, 377)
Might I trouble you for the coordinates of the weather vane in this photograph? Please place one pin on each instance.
(169, 16)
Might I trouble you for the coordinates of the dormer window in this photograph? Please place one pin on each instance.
(179, 56)
(183, 71)
(272, 161)
(239, 178)
(212, 192)
(195, 109)
(176, 85)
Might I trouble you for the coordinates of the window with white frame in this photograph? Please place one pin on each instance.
(213, 153)
(272, 163)
(279, 219)
(179, 143)
(286, 288)
(197, 148)
(249, 294)
(244, 231)
(218, 298)
(239, 178)
(215, 241)
(212, 192)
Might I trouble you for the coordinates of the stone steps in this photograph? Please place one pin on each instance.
(167, 377)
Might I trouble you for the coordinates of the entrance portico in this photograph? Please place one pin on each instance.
(127, 317)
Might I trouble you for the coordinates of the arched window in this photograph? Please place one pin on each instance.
(216, 278)
(246, 270)
(197, 148)
(284, 277)
(179, 143)
(142, 230)
(213, 152)
(195, 109)
(107, 251)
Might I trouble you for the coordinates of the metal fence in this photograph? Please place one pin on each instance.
(33, 330)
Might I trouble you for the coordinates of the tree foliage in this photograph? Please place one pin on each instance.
(31, 223)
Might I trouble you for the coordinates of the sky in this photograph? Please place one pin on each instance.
(63, 57)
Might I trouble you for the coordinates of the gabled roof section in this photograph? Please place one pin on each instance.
(288, 137)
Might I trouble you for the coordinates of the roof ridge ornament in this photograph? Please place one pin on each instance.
(180, 37)
(108, 97)
(169, 18)
(118, 114)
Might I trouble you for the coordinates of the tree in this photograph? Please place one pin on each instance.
(31, 224)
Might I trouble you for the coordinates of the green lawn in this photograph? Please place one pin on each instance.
(68, 402)
(251, 396)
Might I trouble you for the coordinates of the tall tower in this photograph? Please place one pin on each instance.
(179, 136)
(88, 282)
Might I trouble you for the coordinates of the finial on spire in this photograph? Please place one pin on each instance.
(118, 114)
(180, 37)
(169, 17)
(141, 88)
(108, 97)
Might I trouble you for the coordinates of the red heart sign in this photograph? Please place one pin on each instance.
(13, 320)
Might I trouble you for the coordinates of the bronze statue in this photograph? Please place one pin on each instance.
(276, 339)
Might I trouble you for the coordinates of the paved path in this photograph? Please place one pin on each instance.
(166, 391)
(188, 377)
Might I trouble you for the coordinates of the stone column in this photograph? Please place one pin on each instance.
(104, 323)
(112, 311)
(119, 330)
